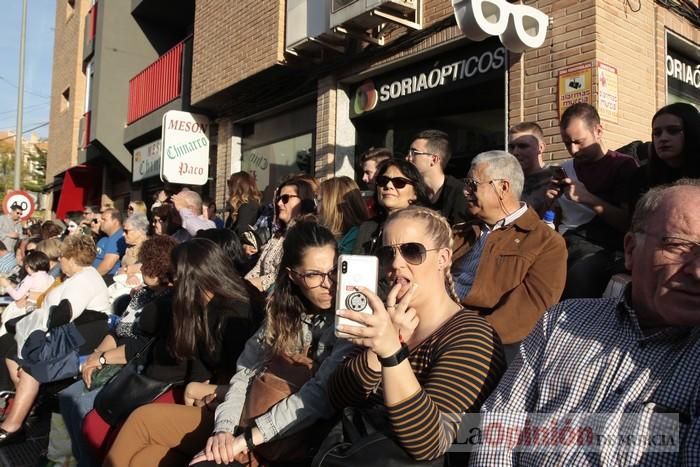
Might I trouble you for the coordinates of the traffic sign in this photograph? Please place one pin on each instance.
(21, 198)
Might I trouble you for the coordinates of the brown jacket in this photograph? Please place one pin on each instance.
(521, 273)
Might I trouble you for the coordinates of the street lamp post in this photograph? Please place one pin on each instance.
(20, 98)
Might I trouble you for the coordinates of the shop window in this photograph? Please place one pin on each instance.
(65, 100)
(270, 163)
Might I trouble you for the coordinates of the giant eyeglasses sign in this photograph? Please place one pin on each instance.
(520, 27)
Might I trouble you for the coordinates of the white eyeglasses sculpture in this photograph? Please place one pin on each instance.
(520, 27)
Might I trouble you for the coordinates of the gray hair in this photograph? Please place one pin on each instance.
(650, 201)
(138, 222)
(192, 200)
(504, 166)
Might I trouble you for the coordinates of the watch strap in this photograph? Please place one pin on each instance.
(102, 359)
(248, 437)
(396, 358)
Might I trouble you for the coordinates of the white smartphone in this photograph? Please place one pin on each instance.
(353, 271)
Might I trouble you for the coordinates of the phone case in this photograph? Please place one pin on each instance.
(353, 271)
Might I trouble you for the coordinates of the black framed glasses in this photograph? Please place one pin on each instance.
(398, 182)
(314, 279)
(130, 208)
(412, 252)
(285, 198)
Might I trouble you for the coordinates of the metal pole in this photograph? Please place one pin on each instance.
(20, 98)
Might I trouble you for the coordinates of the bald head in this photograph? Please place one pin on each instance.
(190, 200)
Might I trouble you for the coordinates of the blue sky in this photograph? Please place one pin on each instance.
(38, 59)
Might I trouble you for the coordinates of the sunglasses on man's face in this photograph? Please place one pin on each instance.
(412, 252)
(398, 182)
(285, 198)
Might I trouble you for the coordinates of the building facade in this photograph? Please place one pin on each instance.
(308, 85)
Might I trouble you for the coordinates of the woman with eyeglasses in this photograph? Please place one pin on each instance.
(675, 149)
(135, 233)
(299, 318)
(399, 185)
(341, 209)
(426, 360)
(294, 197)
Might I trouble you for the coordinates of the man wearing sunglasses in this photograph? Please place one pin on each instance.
(11, 227)
(430, 152)
(628, 366)
(507, 262)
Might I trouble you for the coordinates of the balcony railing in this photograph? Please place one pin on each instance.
(158, 84)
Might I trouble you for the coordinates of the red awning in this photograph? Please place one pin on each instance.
(78, 184)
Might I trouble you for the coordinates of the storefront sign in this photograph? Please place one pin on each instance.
(607, 92)
(681, 69)
(520, 27)
(464, 67)
(146, 161)
(575, 85)
(184, 155)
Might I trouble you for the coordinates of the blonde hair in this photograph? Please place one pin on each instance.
(341, 205)
(50, 247)
(436, 227)
(139, 207)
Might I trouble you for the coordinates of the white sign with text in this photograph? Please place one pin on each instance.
(184, 156)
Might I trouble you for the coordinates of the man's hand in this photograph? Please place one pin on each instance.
(577, 192)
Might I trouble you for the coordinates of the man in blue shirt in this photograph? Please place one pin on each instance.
(111, 248)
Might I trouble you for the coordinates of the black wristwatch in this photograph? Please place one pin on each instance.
(393, 360)
(102, 359)
(248, 437)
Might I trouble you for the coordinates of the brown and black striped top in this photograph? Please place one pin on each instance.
(457, 367)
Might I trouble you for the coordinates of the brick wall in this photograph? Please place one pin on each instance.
(223, 161)
(589, 30)
(234, 40)
(67, 73)
(325, 127)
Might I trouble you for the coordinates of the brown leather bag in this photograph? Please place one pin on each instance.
(282, 377)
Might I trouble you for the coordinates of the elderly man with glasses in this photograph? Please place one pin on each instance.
(622, 371)
(507, 263)
(11, 227)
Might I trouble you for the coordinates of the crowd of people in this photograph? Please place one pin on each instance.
(481, 307)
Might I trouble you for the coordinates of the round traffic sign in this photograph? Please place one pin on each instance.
(20, 198)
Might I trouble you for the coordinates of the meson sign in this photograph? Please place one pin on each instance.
(520, 27)
(184, 154)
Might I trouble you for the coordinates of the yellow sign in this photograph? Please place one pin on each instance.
(607, 92)
(575, 85)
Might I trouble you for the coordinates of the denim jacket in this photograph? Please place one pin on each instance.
(301, 409)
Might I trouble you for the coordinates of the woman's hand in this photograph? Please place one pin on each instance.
(402, 315)
(379, 333)
(89, 367)
(222, 448)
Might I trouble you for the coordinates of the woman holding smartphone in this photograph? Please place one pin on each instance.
(299, 316)
(426, 360)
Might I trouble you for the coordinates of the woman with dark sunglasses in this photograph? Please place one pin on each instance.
(399, 185)
(299, 317)
(294, 197)
(426, 360)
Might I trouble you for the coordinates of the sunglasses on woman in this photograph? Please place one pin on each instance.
(398, 182)
(285, 198)
(412, 252)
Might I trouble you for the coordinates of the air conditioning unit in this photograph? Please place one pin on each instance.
(367, 14)
(306, 20)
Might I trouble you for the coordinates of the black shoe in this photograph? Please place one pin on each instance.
(15, 437)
